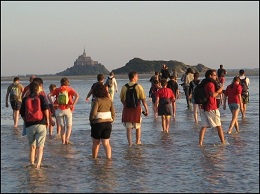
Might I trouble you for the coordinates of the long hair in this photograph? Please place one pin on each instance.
(34, 88)
(235, 79)
(100, 91)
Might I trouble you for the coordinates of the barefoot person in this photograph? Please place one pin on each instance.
(101, 116)
(210, 115)
(233, 94)
(36, 124)
(15, 91)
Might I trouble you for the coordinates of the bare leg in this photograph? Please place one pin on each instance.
(201, 136)
(195, 112)
(138, 136)
(167, 123)
(233, 121)
(32, 154)
(63, 135)
(221, 134)
(107, 148)
(129, 136)
(16, 117)
(68, 134)
(95, 147)
(164, 123)
(39, 154)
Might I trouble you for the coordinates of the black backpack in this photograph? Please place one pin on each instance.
(244, 87)
(131, 97)
(109, 82)
(200, 96)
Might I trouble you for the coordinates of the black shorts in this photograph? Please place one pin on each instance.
(15, 104)
(101, 130)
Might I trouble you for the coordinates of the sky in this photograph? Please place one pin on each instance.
(46, 37)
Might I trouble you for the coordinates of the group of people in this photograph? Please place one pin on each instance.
(58, 105)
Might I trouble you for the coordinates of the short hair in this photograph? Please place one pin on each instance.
(100, 77)
(16, 79)
(32, 77)
(155, 82)
(100, 91)
(163, 82)
(111, 73)
(64, 81)
(52, 86)
(196, 74)
(209, 72)
(131, 74)
(172, 77)
(221, 66)
(189, 70)
(38, 80)
(241, 71)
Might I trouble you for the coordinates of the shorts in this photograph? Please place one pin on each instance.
(101, 130)
(15, 104)
(245, 99)
(36, 135)
(129, 125)
(210, 118)
(233, 106)
(64, 117)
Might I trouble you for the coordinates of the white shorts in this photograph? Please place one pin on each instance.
(64, 117)
(210, 118)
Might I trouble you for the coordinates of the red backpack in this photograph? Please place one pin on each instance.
(33, 111)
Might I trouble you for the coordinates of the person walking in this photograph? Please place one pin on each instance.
(245, 82)
(101, 116)
(100, 80)
(173, 85)
(26, 88)
(210, 116)
(193, 85)
(164, 99)
(156, 76)
(233, 94)
(152, 95)
(131, 117)
(111, 83)
(221, 75)
(37, 124)
(14, 93)
(165, 74)
(186, 79)
(67, 98)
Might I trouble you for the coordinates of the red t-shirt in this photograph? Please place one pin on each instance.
(212, 101)
(71, 93)
(165, 93)
(233, 92)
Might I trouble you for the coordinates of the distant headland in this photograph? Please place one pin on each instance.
(84, 66)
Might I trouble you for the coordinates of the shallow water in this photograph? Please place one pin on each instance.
(164, 163)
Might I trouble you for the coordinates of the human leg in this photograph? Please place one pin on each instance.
(195, 112)
(201, 135)
(95, 147)
(68, 132)
(39, 154)
(107, 147)
(167, 123)
(233, 121)
(221, 134)
(163, 123)
(32, 154)
(129, 136)
(16, 117)
(138, 135)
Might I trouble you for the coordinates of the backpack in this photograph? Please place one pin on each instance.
(63, 97)
(14, 93)
(200, 94)
(109, 82)
(244, 87)
(33, 111)
(131, 96)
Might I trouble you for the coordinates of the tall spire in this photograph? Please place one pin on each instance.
(84, 52)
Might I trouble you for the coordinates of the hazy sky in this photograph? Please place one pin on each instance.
(47, 37)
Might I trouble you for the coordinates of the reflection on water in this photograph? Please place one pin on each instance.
(165, 163)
